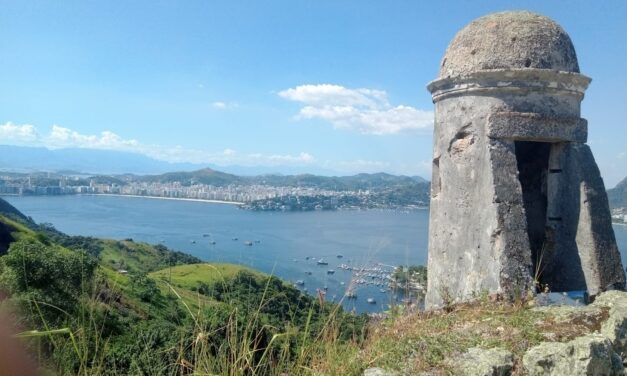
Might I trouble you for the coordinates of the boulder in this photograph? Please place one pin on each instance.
(485, 362)
(615, 327)
(588, 355)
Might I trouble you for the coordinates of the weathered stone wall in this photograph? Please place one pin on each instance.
(493, 227)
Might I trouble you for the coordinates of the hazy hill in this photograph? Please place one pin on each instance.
(203, 176)
(618, 195)
(21, 158)
(378, 181)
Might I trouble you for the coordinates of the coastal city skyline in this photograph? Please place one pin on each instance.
(283, 87)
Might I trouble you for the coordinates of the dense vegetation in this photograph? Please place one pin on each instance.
(91, 306)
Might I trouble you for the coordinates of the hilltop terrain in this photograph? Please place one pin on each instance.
(125, 307)
(97, 307)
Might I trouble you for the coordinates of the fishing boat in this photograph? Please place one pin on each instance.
(340, 256)
(234, 239)
(205, 235)
(192, 241)
(213, 242)
(248, 243)
(322, 262)
(330, 271)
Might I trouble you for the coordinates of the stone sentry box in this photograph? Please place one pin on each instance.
(517, 200)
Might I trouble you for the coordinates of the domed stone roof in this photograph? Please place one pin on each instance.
(509, 40)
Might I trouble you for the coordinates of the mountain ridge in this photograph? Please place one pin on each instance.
(617, 196)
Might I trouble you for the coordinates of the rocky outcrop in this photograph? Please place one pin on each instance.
(615, 327)
(600, 353)
(588, 355)
(486, 362)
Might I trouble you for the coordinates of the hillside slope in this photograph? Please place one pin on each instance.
(618, 195)
(108, 307)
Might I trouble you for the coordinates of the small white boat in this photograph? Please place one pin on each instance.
(300, 282)
(371, 301)
(192, 241)
(322, 262)
(248, 243)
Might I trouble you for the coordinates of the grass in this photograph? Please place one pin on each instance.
(407, 341)
(190, 276)
(129, 255)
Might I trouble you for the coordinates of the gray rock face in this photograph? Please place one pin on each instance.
(517, 200)
(509, 40)
(615, 327)
(486, 362)
(588, 355)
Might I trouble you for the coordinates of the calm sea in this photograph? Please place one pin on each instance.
(285, 244)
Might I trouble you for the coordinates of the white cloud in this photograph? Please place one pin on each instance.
(60, 137)
(366, 111)
(17, 133)
(223, 105)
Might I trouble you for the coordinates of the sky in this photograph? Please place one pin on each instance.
(333, 87)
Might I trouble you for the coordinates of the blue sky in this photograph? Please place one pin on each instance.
(254, 83)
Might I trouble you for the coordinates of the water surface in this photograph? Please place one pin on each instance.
(285, 240)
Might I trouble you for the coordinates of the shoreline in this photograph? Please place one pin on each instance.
(166, 198)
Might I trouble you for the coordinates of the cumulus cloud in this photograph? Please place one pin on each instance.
(18, 133)
(60, 137)
(366, 111)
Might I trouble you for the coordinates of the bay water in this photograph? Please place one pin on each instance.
(286, 244)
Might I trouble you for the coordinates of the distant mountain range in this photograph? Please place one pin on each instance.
(106, 162)
(212, 177)
(26, 159)
(618, 195)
